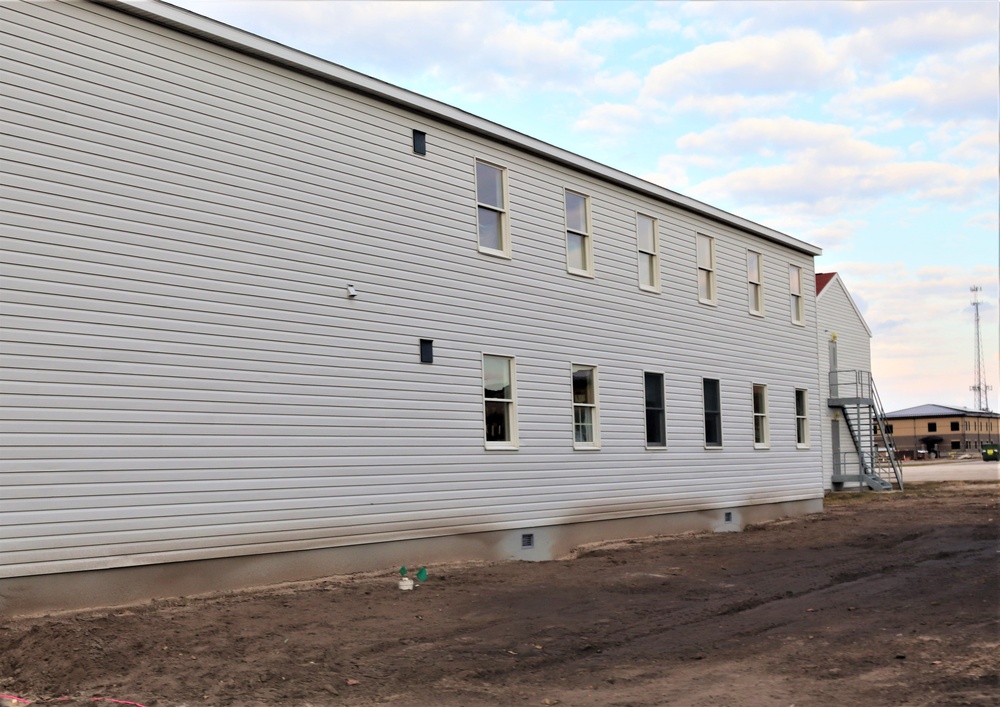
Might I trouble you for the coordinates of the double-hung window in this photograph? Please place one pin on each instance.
(712, 400)
(761, 432)
(656, 419)
(491, 195)
(795, 292)
(579, 245)
(586, 433)
(499, 402)
(755, 282)
(647, 240)
(801, 418)
(706, 269)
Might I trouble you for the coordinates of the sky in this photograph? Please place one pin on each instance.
(869, 129)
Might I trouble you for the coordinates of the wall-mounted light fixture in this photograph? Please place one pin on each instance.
(351, 291)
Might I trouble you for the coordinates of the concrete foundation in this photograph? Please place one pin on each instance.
(22, 596)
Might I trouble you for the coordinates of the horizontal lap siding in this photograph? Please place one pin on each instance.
(837, 316)
(184, 376)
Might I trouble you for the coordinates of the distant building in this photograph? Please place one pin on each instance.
(929, 431)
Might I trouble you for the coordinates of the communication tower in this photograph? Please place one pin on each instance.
(980, 388)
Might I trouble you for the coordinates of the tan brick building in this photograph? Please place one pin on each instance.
(929, 431)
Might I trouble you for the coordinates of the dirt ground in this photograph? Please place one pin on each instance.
(884, 599)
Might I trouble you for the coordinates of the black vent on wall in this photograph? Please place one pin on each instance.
(426, 351)
(420, 142)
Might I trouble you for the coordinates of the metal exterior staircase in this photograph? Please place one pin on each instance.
(854, 393)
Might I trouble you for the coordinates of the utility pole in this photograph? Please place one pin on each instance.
(980, 388)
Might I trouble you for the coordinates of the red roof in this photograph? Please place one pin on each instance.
(823, 279)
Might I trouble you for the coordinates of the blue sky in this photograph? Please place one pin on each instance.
(867, 128)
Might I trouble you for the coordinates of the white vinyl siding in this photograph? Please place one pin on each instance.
(837, 318)
(185, 377)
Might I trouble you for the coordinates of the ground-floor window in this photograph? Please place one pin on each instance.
(586, 434)
(801, 418)
(499, 408)
(761, 433)
(956, 445)
(712, 401)
(656, 419)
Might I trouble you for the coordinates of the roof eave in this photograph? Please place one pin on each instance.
(219, 33)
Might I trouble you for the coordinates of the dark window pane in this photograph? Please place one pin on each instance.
(713, 412)
(583, 387)
(497, 421)
(654, 390)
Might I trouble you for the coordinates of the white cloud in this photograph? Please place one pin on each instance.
(793, 60)
(609, 118)
(960, 85)
(605, 29)
(725, 106)
(804, 138)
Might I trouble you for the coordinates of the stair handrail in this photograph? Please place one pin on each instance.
(883, 427)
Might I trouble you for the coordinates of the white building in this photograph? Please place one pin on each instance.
(855, 452)
(266, 318)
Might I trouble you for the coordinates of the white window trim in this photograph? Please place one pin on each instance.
(656, 286)
(588, 235)
(712, 299)
(514, 442)
(801, 320)
(766, 444)
(596, 444)
(505, 251)
(805, 394)
(759, 282)
(645, 429)
(704, 412)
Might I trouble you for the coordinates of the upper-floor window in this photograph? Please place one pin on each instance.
(586, 434)
(795, 292)
(801, 418)
(932, 427)
(656, 419)
(761, 427)
(755, 282)
(647, 240)
(491, 195)
(706, 269)
(499, 402)
(712, 401)
(954, 427)
(579, 248)
(888, 429)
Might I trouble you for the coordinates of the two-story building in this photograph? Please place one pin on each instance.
(266, 318)
(931, 431)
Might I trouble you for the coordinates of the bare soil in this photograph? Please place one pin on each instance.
(883, 599)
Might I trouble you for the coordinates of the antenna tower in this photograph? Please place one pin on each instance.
(980, 388)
